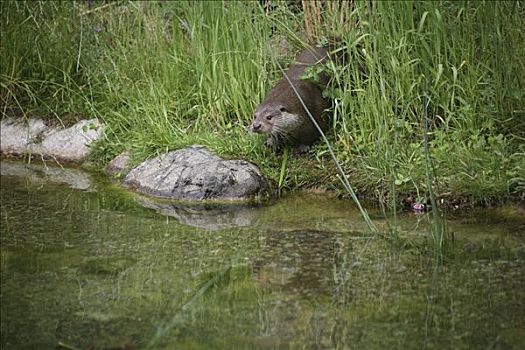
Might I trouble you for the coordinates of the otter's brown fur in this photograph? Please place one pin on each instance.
(282, 116)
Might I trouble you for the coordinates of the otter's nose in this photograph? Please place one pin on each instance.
(256, 126)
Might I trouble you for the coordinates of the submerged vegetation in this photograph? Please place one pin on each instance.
(165, 75)
(98, 270)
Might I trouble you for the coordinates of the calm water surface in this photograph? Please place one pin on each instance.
(86, 266)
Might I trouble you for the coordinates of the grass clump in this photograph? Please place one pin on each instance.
(165, 75)
(460, 54)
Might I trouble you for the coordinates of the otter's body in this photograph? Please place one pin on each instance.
(282, 116)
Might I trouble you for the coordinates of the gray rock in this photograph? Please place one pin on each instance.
(70, 144)
(195, 173)
(17, 138)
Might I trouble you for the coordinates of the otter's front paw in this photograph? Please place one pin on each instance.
(269, 143)
(300, 150)
(273, 144)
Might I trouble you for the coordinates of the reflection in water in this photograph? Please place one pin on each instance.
(210, 217)
(94, 270)
(37, 173)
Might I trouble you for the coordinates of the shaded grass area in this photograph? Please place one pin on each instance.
(165, 75)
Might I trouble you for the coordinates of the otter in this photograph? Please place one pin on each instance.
(282, 116)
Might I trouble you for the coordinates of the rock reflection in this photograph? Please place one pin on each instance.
(205, 216)
(41, 173)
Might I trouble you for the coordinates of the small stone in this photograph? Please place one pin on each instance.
(119, 165)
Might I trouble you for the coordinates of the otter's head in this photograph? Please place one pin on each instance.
(265, 117)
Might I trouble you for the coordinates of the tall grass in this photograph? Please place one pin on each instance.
(199, 84)
(459, 50)
(164, 75)
(39, 68)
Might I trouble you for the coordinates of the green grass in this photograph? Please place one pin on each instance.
(166, 75)
(461, 54)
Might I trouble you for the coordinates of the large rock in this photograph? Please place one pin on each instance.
(35, 138)
(195, 173)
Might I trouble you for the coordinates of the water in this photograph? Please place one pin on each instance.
(85, 265)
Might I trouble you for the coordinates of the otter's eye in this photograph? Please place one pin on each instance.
(269, 117)
(282, 109)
